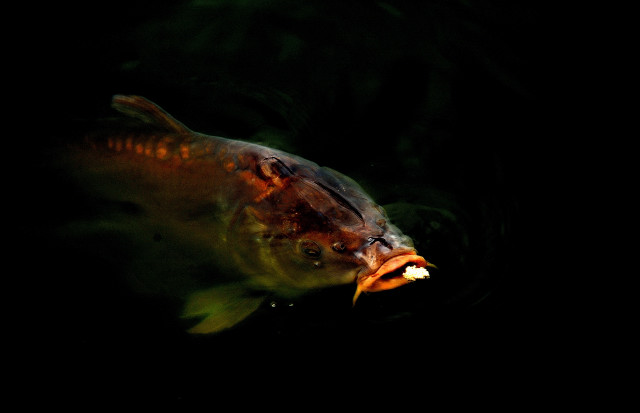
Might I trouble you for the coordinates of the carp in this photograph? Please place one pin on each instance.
(266, 221)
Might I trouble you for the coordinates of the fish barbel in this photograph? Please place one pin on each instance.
(274, 221)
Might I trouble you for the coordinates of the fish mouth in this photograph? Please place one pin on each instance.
(390, 274)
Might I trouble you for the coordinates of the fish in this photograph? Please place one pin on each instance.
(261, 221)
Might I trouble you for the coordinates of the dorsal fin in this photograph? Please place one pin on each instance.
(148, 112)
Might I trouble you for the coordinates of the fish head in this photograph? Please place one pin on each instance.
(319, 228)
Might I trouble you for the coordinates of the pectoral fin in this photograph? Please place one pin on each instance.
(222, 307)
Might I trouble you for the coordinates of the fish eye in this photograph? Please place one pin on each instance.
(310, 249)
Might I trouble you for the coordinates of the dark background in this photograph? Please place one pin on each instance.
(439, 109)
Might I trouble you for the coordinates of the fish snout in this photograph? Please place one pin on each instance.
(377, 251)
(385, 270)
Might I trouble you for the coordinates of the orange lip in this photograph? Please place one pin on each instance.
(379, 282)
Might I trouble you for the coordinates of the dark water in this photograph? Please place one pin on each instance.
(435, 108)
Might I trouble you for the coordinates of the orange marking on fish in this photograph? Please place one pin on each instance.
(139, 148)
(229, 165)
(264, 189)
(128, 143)
(264, 194)
(184, 151)
(161, 150)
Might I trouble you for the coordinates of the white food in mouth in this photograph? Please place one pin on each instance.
(413, 273)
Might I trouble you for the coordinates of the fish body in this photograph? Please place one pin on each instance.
(271, 221)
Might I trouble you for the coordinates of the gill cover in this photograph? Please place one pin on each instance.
(288, 238)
